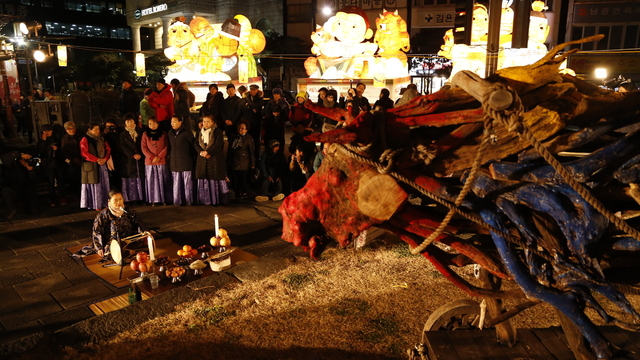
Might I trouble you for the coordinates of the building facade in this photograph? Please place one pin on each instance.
(619, 22)
(150, 20)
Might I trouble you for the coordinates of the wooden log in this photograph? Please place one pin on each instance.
(505, 331)
(524, 79)
(581, 169)
(577, 343)
(576, 139)
(543, 123)
(379, 196)
(479, 88)
(444, 119)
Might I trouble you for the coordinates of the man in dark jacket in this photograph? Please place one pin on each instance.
(231, 111)
(129, 99)
(252, 113)
(213, 105)
(47, 149)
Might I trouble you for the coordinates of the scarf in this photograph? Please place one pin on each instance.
(117, 212)
(205, 137)
(99, 144)
(328, 103)
(132, 131)
(237, 142)
(154, 135)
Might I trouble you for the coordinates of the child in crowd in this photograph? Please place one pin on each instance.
(243, 157)
(273, 166)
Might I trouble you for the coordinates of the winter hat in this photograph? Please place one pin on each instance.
(302, 94)
(277, 91)
(273, 143)
(161, 81)
(69, 125)
(46, 127)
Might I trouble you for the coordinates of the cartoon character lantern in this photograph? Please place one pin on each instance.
(392, 37)
(342, 50)
(182, 47)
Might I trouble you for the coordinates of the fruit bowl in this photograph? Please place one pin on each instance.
(175, 273)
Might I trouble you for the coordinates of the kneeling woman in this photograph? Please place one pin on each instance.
(116, 221)
(211, 171)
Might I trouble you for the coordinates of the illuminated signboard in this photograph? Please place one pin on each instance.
(150, 10)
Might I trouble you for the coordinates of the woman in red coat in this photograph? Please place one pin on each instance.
(155, 146)
(162, 101)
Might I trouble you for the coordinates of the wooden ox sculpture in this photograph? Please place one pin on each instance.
(486, 151)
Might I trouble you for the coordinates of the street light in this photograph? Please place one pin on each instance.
(601, 73)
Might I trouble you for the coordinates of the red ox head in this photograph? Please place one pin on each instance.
(342, 199)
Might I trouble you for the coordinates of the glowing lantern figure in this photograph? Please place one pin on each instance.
(342, 50)
(182, 47)
(393, 40)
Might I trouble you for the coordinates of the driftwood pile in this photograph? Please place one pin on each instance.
(542, 167)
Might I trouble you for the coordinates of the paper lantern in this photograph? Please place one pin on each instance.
(256, 41)
(140, 69)
(62, 55)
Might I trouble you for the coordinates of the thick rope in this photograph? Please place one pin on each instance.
(477, 161)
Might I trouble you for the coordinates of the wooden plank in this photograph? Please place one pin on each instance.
(440, 346)
(488, 346)
(622, 338)
(532, 345)
(464, 344)
(549, 338)
(112, 304)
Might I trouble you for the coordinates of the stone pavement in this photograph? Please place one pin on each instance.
(45, 293)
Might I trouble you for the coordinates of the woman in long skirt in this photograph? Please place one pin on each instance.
(132, 164)
(181, 156)
(95, 152)
(155, 147)
(211, 171)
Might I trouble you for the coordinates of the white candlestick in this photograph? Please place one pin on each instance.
(151, 252)
(216, 225)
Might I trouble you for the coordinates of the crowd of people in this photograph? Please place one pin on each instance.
(157, 153)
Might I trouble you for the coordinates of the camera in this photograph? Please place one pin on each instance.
(34, 161)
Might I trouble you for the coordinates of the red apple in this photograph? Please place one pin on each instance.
(135, 265)
(142, 257)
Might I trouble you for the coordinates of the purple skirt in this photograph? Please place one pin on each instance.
(212, 192)
(157, 183)
(132, 189)
(182, 187)
(96, 196)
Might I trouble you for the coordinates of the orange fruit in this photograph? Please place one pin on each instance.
(186, 248)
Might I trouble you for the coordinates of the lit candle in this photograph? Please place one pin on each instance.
(151, 252)
(216, 225)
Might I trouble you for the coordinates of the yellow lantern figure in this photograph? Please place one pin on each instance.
(392, 39)
(506, 22)
(480, 26)
(182, 46)
(342, 48)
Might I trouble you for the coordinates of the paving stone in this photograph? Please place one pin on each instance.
(31, 244)
(9, 296)
(66, 318)
(5, 251)
(43, 285)
(15, 276)
(21, 260)
(29, 310)
(79, 276)
(82, 293)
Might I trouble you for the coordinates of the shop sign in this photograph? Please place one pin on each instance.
(150, 10)
(606, 13)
